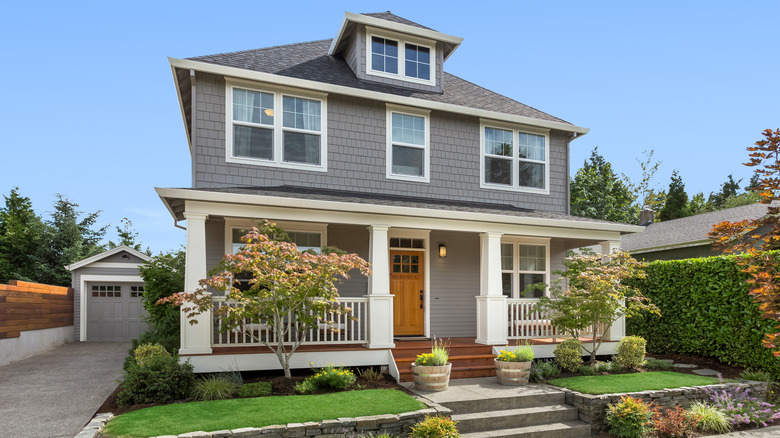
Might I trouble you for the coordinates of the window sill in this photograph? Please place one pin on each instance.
(529, 190)
(282, 165)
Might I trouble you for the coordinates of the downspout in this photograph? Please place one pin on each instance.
(176, 224)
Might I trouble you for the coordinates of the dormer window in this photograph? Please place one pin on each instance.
(396, 56)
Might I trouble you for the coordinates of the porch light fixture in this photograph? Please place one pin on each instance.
(442, 250)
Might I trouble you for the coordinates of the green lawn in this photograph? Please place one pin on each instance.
(632, 382)
(209, 416)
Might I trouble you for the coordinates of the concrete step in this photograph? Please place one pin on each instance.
(564, 429)
(531, 400)
(514, 418)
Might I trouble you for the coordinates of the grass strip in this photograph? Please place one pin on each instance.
(617, 383)
(209, 416)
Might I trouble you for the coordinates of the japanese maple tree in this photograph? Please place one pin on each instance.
(755, 238)
(288, 291)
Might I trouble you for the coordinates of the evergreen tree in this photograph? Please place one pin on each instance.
(676, 205)
(598, 193)
(127, 237)
(21, 236)
(728, 190)
(69, 238)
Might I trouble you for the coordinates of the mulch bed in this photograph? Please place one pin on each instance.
(279, 384)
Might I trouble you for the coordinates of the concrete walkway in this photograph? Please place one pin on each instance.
(767, 432)
(55, 393)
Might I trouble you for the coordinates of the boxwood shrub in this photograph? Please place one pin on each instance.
(706, 310)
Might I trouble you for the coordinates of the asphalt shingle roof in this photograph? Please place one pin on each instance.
(310, 61)
(688, 229)
(310, 193)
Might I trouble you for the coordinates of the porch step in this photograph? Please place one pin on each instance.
(464, 372)
(565, 429)
(468, 359)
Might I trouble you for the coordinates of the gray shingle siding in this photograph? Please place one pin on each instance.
(353, 239)
(454, 285)
(356, 155)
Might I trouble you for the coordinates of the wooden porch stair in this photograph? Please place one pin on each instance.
(468, 358)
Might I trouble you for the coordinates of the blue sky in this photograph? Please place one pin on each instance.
(89, 108)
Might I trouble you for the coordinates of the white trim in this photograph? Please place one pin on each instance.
(515, 159)
(426, 236)
(232, 223)
(104, 254)
(116, 265)
(300, 360)
(401, 40)
(245, 205)
(392, 26)
(278, 127)
(235, 72)
(426, 147)
(83, 296)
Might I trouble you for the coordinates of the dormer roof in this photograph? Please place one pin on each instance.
(389, 21)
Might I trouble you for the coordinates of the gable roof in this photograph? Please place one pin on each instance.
(105, 254)
(310, 61)
(687, 231)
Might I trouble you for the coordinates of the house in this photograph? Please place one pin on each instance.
(458, 196)
(685, 237)
(107, 295)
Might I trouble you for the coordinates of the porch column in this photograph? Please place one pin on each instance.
(618, 329)
(195, 338)
(491, 302)
(380, 301)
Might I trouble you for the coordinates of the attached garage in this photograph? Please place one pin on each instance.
(108, 290)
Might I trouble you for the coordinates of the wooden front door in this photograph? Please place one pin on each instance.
(407, 286)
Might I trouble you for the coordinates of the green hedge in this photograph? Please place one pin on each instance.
(705, 310)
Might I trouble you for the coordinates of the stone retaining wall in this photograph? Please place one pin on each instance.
(396, 425)
(592, 408)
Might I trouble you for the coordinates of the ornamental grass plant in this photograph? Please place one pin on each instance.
(439, 355)
(215, 387)
(711, 419)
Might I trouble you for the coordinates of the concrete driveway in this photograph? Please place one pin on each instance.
(55, 394)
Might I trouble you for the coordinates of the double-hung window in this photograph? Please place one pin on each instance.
(273, 128)
(515, 159)
(522, 265)
(304, 240)
(408, 140)
(401, 57)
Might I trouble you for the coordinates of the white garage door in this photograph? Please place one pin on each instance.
(114, 311)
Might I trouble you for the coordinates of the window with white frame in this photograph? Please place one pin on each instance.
(514, 159)
(257, 135)
(398, 56)
(408, 138)
(304, 240)
(523, 265)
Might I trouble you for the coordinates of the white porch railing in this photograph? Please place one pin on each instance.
(344, 330)
(527, 323)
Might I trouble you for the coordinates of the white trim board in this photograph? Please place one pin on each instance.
(104, 254)
(83, 296)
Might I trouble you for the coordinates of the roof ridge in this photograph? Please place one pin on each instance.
(506, 97)
(261, 48)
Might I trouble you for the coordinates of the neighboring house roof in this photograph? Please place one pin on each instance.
(420, 207)
(105, 254)
(687, 231)
(310, 61)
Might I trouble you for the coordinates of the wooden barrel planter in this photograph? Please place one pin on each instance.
(431, 378)
(512, 373)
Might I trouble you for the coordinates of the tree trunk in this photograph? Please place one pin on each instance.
(593, 348)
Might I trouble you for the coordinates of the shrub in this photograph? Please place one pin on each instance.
(630, 418)
(714, 317)
(329, 377)
(657, 364)
(163, 379)
(370, 374)
(675, 423)
(631, 352)
(568, 354)
(543, 370)
(521, 354)
(740, 408)
(603, 367)
(435, 427)
(439, 355)
(586, 370)
(757, 375)
(144, 354)
(258, 389)
(710, 418)
(215, 387)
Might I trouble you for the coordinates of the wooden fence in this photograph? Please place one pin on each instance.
(33, 306)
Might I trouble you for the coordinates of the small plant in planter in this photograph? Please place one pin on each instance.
(431, 371)
(513, 367)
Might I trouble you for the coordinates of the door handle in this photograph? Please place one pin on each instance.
(421, 299)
